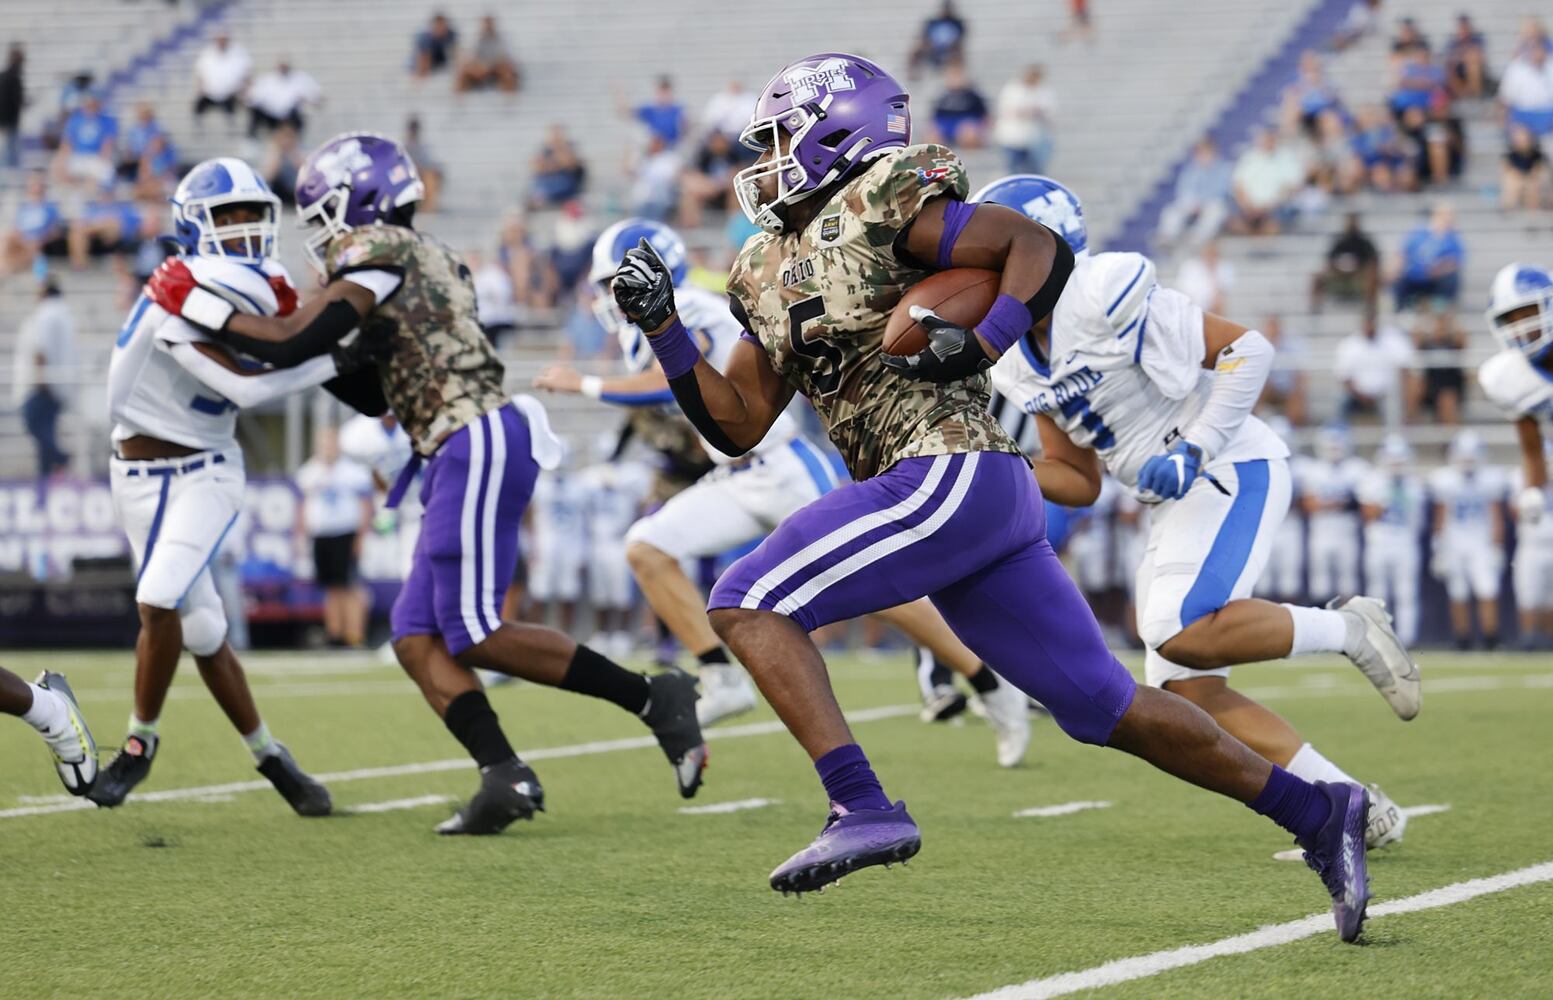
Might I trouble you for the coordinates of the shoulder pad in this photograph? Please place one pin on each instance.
(246, 288)
(1119, 284)
(1504, 378)
(893, 189)
(366, 246)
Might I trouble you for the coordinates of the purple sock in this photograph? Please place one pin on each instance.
(1293, 803)
(849, 780)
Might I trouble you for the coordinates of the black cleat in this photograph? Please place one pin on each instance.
(945, 704)
(671, 714)
(127, 769)
(508, 792)
(306, 796)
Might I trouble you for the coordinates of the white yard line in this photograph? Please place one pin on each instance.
(1436, 685)
(1064, 809)
(1143, 966)
(261, 692)
(394, 804)
(1426, 810)
(717, 808)
(67, 804)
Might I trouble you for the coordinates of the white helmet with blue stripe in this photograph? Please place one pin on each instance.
(215, 184)
(608, 250)
(1520, 309)
(1043, 200)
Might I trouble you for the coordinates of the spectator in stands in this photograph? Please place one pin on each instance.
(533, 281)
(559, 173)
(490, 64)
(940, 42)
(1385, 158)
(1374, 366)
(1332, 166)
(663, 117)
(136, 138)
(1313, 91)
(655, 180)
(1524, 176)
(13, 97)
(1266, 178)
(282, 161)
(220, 74)
(39, 229)
(1285, 386)
(1429, 276)
(1202, 196)
(1532, 36)
(45, 355)
(1080, 26)
(1415, 83)
(1439, 341)
(1360, 21)
(1466, 60)
(1022, 125)
(494, 302)
(335, 515)
(1409, 40)
(86, 148)
(1206, 278)
(108, 226)
(571, 245)
(707, 182)
(434, 47)
(1526, 91)
(1352, 269)
(149, 248)
(426, 164)
(960, 113)
(277, 98)
(728, 111)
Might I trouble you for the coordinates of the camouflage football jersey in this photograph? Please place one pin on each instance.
(443, 372)
(819, 301)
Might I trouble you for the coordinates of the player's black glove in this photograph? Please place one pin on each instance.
(643, 289)
(373, 344)
(952, 352)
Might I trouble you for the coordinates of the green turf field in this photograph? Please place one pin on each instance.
(615, 893)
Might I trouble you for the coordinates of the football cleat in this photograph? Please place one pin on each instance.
(1386, 822)
(305, 795)
(1381, 657)
(726, 691)
(1008, 710)
(1336, 853)
(849, 841)
(127, 769)
(671, 713)
(509, 791)
(945, 704)
(75, 752)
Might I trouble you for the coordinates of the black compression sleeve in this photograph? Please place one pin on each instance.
(338, 318)
(687, 392)
(361, 390)
(1045, 299)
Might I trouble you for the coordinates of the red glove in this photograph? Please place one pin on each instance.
(173, 288)
(285, 295)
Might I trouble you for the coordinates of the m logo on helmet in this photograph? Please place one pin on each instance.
(809, 82)
(338, 164)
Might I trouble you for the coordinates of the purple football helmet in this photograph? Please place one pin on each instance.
(354, 179)
(838, 111)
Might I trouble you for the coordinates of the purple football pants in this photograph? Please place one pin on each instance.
(969, 532)
(474, 490)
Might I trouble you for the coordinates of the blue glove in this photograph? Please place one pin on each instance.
(1170, 475)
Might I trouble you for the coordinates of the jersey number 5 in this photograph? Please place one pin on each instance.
(825, 372)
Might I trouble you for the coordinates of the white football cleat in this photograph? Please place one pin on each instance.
(1381, 657)
(1386, 822)
(726, 691)
(1008, 710)
(75, 752)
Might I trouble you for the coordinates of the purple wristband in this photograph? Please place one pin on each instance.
(676, 352)
(1007, 321)
(956, 215)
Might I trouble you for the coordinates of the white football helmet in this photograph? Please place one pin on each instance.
(1394, 454)
(1528, 291)
(214, 184)
(1333, 443)
(608, 250)
(1467, 449)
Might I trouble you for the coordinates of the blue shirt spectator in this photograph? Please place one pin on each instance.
(89, 129)
(960, 113)
(1432, 258)
(1418, 81)
(1313, 91)
(140, 133)
(38, 221)
(665, 117)
(434, 46)
(941, 40)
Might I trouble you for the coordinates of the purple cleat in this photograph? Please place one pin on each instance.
(850, 840)
(1336, 853)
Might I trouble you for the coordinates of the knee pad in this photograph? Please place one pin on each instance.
(204, 630)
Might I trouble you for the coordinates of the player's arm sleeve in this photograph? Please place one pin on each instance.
(251, 390)
(1240, 370)
(361, 390)
(337, 319)
(748, 396)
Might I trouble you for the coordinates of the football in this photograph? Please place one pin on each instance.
(961, 295)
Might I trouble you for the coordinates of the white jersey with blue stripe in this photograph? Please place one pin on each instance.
(151, 393)
(1469, 496)
(708, 320)
(1125, 374)
(1400, 498)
